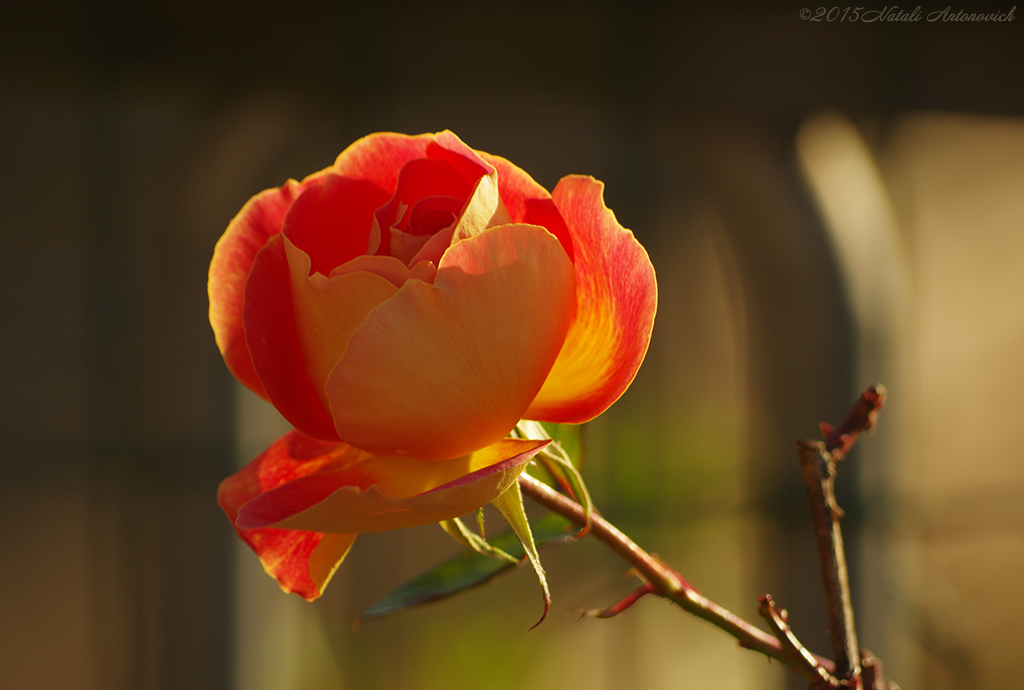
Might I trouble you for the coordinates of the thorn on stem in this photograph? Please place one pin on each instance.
(621, 605)
(631, 573)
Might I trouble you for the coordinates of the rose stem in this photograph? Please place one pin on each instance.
(665, 581)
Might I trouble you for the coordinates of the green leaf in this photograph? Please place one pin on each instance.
(510, 504)
(466, 570)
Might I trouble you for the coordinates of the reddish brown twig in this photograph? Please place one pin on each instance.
(818, 461)
(818, 467)
(819, 472)
(801, 659)
(861, 417)
(664, 581)
(871, 672)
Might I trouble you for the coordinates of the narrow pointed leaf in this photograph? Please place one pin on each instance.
(466, 570)
(563, 467)
(458, 531)
(510, 504)
(571, 438)
(569, 477)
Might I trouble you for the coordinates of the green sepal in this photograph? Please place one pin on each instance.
(559, 463)
(458, 531)
(571, 438)
(466, 570)
(480, 522)
(510, 504)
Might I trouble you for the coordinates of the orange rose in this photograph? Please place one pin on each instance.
(404, 309)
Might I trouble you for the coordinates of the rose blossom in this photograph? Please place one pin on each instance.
(404, 309)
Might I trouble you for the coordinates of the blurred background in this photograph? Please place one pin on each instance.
(828, 205)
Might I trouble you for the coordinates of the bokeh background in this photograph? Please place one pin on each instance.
(827, 205)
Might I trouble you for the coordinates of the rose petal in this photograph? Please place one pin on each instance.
(420, 179)
(404, 246)
(617, 297)
(260, 218)
(380, 494)
(301, 561)
(480, 213)
(440, 370)
(330, 221)
(448, 147)
(482, 210)
(379, 157)
(389, 268)
(433, 213)
(328, 311)
(273, 342)
(528, 202)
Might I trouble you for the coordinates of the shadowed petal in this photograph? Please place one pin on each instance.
(389, 268)
(481, 211)
(617, 297)
(260, 218)
(331, 220)
(441, 370)
(483, 207)
(432, 214)
(420, 179)
(527, 202)
(273, 341)
(301, 561)
(448, 147)
(380, 494)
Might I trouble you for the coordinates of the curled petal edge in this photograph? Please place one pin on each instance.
(355, 509)
(260, 219)
(302, 562)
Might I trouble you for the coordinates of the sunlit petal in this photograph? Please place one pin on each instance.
(441, 370)
(328, 311)
(617, 298)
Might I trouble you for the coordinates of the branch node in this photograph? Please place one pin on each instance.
(861, 417)
(798, 655)
(872, 674)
